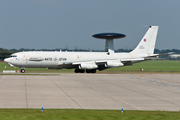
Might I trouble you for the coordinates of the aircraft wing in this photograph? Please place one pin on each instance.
(102, 62)
(78, 63)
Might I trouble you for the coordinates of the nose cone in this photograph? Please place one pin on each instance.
(7, 60)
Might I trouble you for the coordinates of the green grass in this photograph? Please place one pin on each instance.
(147, 66)
(76, 114)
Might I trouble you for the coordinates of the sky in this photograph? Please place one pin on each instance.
(51, 24)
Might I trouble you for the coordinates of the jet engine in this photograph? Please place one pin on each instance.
(88, 65)
(114, 63)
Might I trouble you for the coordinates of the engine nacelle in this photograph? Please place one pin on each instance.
(114, 63)
(87, 65)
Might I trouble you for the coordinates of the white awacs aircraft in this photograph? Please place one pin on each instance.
(87, 61)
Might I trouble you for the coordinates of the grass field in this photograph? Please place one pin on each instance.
(147, 66)
(70, 114)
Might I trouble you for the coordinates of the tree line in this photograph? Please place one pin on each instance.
(4, 53)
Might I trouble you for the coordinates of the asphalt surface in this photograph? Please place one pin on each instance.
(91, 91)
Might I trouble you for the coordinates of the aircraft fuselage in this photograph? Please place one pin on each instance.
(58, 60)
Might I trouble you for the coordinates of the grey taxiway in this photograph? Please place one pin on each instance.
(91, 91)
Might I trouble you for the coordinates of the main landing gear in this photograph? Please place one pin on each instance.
(82, 71)
(79, 71)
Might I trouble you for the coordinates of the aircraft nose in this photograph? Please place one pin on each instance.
(6, 60)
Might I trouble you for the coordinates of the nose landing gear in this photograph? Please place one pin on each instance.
(23, 70)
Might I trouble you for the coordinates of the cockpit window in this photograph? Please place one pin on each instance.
(13, 56)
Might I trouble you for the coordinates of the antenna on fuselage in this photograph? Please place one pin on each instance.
(109, 46)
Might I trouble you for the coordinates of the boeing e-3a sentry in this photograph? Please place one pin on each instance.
(88, 62)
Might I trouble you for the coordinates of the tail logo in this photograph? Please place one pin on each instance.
(144, 40)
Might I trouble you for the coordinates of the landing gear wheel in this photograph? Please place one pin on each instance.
(88, 71)
(22, 70)
(76, 71)
(93, 71)
(81, 71)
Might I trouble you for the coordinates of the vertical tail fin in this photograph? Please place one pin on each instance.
(147, 44)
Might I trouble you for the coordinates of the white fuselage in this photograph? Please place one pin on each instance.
(57, 59)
